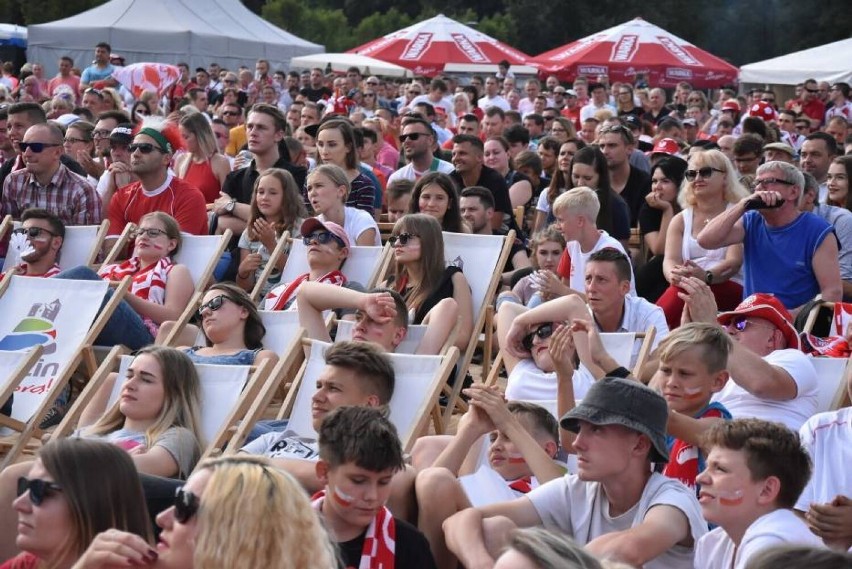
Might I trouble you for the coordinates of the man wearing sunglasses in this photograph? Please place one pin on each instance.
(809, 104)
(771, 378)
(47, 183)
(787, 252)
(418, 142)
(44, 233)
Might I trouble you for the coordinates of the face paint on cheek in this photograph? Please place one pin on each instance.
(343, 498)
(515, 459)
(693, 393)
(733, 498)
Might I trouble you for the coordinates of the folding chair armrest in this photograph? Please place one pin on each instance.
(183, 319)
(274, 257)
(98, 245)
(645, 350)
(120, 244)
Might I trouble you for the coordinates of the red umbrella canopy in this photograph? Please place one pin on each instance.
(427, 46)
(637, 46)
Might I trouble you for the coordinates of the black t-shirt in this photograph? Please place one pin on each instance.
(634, 192)
(239, 184)
(316, 94)
(620, 212)
(650, 219)
(493, 181)
(412, 549)
(649, 116)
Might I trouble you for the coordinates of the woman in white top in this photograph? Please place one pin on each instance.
(328, 188)
(710, 187)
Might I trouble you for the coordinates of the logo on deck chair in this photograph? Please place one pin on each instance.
(35, 329)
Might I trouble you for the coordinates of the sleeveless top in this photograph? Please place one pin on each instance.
(444, 290)
(704, 258)
(241, 358)
(202, 177)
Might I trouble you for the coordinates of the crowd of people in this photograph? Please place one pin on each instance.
(716, 225)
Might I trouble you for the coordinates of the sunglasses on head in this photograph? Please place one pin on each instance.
(213, 304)
(144, 148)
(414, 136)
(32, 232)
(322, 237)
(402, 239)
(705, 173)
(543, 332)
(39, 489)
(36, 147)
(186, 505)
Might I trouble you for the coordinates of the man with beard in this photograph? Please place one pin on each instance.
(418, 144)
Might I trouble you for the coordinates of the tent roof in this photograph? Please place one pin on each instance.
(831, 62)
(168, 31)
(427, 46)
(637, 47)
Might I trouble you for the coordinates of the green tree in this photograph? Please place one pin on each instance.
(378, 25)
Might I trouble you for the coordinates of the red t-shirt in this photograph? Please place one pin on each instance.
(22, 561)
(563, 269)
(180, 200)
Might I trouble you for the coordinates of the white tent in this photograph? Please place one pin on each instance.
(830, 62)
(198, 32)
(340, 62)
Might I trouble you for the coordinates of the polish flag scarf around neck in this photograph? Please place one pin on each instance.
(380, 541)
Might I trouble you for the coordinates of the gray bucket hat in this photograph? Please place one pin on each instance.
(615, 401)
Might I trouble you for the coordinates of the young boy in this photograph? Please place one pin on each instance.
(359, 454)
(756, 471)
(399, 196)
(523, 444)
(693, 361)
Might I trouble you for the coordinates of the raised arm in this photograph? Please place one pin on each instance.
(726, 228)
(663, 527)
(315, 297)
(179, 290)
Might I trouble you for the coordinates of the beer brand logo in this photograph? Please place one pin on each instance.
(416, 46)
(681, 54)
(625, 49)
(678, 73)
(593, 69)
(469, 48)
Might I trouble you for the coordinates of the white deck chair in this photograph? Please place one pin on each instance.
(362, 266)
(200, 254)
(63, 316)
(832, 374)
(418, 383)
(14, 366)
(408, 346)
(81, 246)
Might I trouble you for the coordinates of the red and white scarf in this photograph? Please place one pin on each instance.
(149, 283)
(52, 271)
(279, 297)
(379, 551)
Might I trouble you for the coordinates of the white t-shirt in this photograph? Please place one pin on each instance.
(792, 413)
(589, 110)
(408, 172)
(828, 439)
(577, 280)
(496, 101)
(782, 527)
(285, 444)
(528, 383)
(356, 222)
(581, 510)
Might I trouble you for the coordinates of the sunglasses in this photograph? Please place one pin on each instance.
(36, 147)
(213, 304)
(812, 90)
(32, 232)
(144, 148)
(186, 505)
(543, 332)
(771, 182)
(323, 238)
(95, 92)
(402, 239)
(39, 489)
(741, 323)
(414, 136)
(151, 232)
(705, 173)
(230, 113)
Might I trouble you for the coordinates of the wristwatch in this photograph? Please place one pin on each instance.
(708, 277)
(229, 207)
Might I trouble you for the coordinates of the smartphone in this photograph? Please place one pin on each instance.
(757, 203)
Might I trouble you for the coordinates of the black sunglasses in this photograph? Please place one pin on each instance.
(144, 148)
(413, 136)
(186, 505)
(213, 304)
(32, 232)
(705, 173)
(544, 332)
(322, 237)
(36, 147)
(402, 239)
(39, 489)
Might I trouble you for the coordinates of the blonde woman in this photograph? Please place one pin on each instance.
(202, 165)
(276, 526)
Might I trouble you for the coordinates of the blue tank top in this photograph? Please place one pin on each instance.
(241, 358)
(779, 260)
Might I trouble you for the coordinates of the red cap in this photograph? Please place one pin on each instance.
(731, 105)
(666, 146)
(762, 110)
(769, 308)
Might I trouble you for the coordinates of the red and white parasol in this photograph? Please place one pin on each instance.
(428, 46)
(156, 77)
(635, 47)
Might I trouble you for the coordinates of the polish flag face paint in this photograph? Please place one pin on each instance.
(693, 393)
(343, 498)
(515, 459)
(734, 498)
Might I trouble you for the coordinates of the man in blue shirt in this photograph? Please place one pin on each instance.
(100, 69)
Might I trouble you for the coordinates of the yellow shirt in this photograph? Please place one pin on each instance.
(238, 140)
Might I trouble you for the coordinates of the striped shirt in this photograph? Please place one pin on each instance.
(68, 196)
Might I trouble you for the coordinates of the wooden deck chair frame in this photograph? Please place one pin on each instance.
(814, 312)
(282, 245)
(16, 375)
(418, 426)
(5, 226)
(641, 357)
(385, 230)
(120, 244)
(83, 356)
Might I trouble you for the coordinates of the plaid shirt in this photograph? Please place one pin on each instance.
(68, 196)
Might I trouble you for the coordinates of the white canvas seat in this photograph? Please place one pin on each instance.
(81, 246)
(362, 266)
(832, 374)
(409, 345)
(200, 254)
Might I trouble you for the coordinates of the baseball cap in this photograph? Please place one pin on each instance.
(780, 146)
(616, 401)
(632, 121)
(122, 134)
(731, 105)
(762, 110)
(689, 121)
(668, 146)
(570, 93)
(769, 308)
(313, 223)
